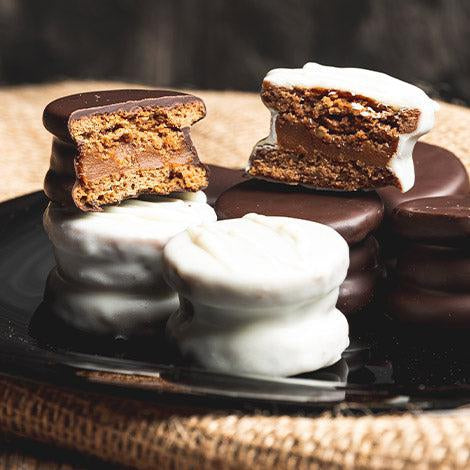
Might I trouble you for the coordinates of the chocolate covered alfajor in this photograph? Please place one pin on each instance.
(430, 284)
(109, 146)
(258, 295)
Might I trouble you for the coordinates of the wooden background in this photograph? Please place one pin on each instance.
(230, 44)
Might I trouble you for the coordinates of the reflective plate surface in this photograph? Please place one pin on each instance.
(387, 367)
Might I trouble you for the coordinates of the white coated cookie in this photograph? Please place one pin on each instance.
(122, 246)
(109, 312)
(298, 339)
(258, 295)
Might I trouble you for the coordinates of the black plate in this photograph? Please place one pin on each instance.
(385, 368)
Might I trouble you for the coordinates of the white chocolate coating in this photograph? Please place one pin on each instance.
(258, 295)
(298, 339)
(374, 85)
(122, 246)
(109, 279)
(109, 312)
(256, 261)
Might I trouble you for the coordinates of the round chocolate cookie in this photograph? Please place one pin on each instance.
(414, 305)
(353, 215)
(364, 255)
(221, 179)
(435, 267)
(437, 220)
(438, 172)
(357, 291)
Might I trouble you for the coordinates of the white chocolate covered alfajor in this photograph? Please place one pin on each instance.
(258, 295)
(109, 264)
(341, 128)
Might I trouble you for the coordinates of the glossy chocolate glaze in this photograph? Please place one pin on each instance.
(57, 114)
(364, 255)
(434, 267)
(357, 291)
(438, 220)
(415, 305)
(353, 215)
(438, 172)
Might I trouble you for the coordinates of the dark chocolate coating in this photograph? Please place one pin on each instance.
(411, 304)
(438, 172)
(357, 291)
(434, 267)
(221, 179)
(57, 114)
(353, 215)
(364, 255)
(58, 188)
(436, 220)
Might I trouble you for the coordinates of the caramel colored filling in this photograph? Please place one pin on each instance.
(331, 139)
(123, 154)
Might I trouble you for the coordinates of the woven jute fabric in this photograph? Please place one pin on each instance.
(140, 434)
(143, 435)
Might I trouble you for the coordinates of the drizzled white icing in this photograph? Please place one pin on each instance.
(377, 86)
(253, 282)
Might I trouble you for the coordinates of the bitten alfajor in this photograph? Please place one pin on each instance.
(340, 128)
(114, 145)
(258, 295)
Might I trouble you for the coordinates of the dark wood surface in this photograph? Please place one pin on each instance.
(222, 44)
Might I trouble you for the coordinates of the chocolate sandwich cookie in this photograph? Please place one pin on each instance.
(438, 172)
(357, 291)
(437, 220)
(412, 304)
(109, 279)
(364, 256)
(435, 267)
(353, 215)
(430, 284)
(113, 145)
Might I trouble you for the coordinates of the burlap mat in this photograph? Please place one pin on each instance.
(144, 435)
